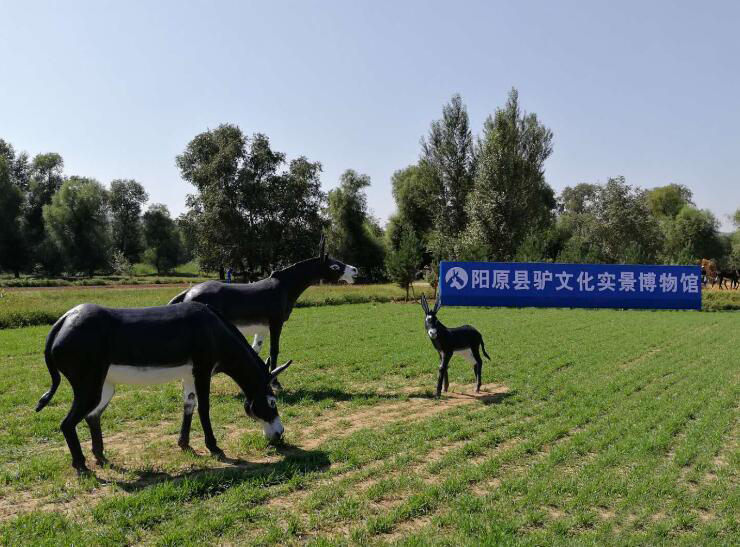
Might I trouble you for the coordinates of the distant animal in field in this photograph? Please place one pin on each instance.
(254, 308)
(465, 341)
(728, 274)
(708, 271)
(97, 348)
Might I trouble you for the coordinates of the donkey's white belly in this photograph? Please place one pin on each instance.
(466, 354)
(125, 374)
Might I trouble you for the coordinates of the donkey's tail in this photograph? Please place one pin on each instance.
(483, 347)
(179, 298)
(53, 371)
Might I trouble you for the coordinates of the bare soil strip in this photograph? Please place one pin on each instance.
(336, 424)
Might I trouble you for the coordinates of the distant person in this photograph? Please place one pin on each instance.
(228, 275)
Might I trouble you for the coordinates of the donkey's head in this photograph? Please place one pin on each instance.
(430, 320)
(263, 406)
(333, 270)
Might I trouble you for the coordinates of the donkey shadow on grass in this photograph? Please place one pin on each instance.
(303, 395)
(482, 397)
(207, 481)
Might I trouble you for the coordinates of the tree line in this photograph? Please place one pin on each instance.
(467, 197)
(486, 198)
(52, 223)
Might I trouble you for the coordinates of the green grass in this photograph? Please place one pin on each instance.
(614, 427)
(721, 300)
(143, 274)
(28, 307)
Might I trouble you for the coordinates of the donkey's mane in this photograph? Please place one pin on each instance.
(290, 269)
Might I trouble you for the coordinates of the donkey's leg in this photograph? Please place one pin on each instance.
(93, 422)
(478, 368)
(259, 339)
(276, 327)
(202, 392)
(442, 371)
(447, 381)
(83, 403)
(189, 403)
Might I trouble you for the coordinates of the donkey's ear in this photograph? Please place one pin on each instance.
(424, 304)
(280, 369)
(437, 304)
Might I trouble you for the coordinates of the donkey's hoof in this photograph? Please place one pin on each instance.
(101, 460)
(184, 446)
(82, 470)
(219, 455)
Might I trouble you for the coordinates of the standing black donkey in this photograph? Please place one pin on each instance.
(465, 341)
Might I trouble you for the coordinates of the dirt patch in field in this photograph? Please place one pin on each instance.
(414, 409)
(128, 450)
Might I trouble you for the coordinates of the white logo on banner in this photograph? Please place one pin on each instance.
(456, 278)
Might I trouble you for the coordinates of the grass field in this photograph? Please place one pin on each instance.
(141, 274)
(28, 307)
(597, 427)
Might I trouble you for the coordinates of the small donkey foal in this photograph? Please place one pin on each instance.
(465, 341)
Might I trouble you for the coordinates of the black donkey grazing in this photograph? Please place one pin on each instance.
(465, 341)
(254, 308)
(97, 348)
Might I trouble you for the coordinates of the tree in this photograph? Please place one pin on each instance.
(248, 213)
(734, 256)
(510, 198)
(19, 169)
(693, 235)
(353, 235)
(667, 201)
(448, 159)
(13, 255)
(77, 221)
(607, 223)
(187, 226)
(164, 247)
(46, 179)
(404, 262)
(126, 200)
(414, 193)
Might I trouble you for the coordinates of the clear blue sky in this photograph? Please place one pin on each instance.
(649, 90)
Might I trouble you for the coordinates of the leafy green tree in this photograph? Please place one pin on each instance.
(693, 235)
(187, 226)
(610, 223)
(353, 235)
(448, 160)
(126, 200)
(510, 198)
(667, 201)
(164, 247)
(77, 221)
(734, 254)
(19, 168)
(404, 262)
(45, 180)
(248, 213)
(578, 199)
(13, 255)
(414, 193)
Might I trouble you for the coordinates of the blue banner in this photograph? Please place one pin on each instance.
(521, 284)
